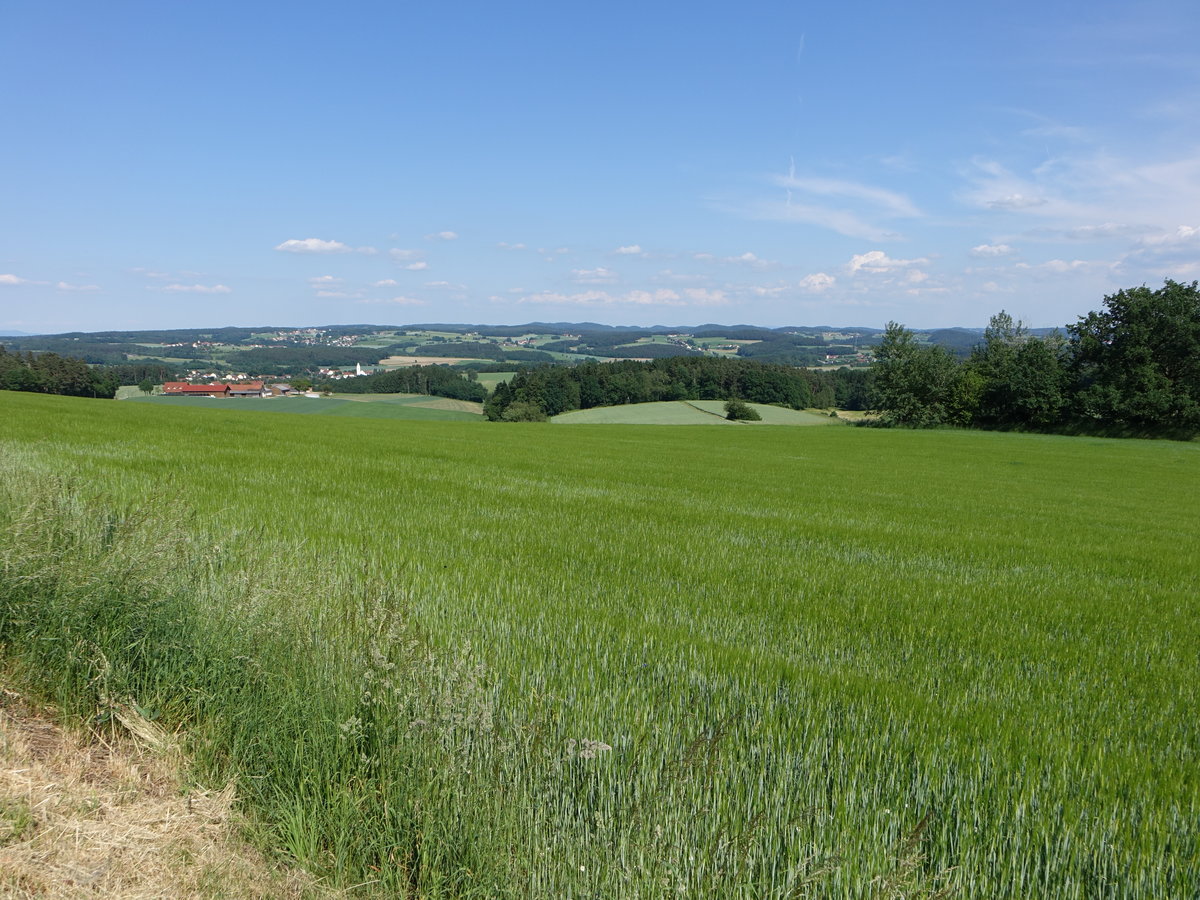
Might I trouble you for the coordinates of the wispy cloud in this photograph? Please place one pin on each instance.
(842, 221)
(630, 250)
(88, 288)
(387, 282)
(11, 279)
(419, 266)
(505, 245)
(397, 301)
(889, 202)
(990, 251)
(400, 255)
(442, 236)
(195, 288)
(743, 259)
(316, 245)
(599, 275)
(324, 280)
(857, 209)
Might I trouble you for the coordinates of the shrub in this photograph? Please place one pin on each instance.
(738, 411)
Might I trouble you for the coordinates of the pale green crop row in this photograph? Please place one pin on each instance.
(521, 660)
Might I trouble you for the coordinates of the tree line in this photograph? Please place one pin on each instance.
(1131, 368)
(49, 373)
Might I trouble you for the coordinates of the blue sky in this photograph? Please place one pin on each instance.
(188, 165)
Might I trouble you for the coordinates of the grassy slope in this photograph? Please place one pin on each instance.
(845, 629)
(683, 412)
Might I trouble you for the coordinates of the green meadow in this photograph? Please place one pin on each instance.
(685, 412)
(448, 658)
(363, 406)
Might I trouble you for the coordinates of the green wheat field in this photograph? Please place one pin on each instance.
(448, 659)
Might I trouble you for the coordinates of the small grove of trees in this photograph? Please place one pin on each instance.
(739, 411)
(49, 373)
(1130, 368)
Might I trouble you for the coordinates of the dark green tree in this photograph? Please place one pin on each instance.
(738, 411)
(1021, 378)
(1136, 363)
(917, 385)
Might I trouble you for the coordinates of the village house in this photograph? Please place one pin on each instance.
(249, 389)
(183, 389)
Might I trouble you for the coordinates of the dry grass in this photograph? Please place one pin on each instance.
(109, 817)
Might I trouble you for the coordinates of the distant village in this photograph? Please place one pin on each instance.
(239, 385)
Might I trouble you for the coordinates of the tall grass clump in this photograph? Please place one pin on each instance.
(352, 744)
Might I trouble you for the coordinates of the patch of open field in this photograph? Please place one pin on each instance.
(684, 412)
(363, 406)
(771, 415)
(829, 662)
(490, 379)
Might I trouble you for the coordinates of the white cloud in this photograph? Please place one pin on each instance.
(340, 295)
(316, 245)
(445, 284)
(387, 282)
(876, 261)
(630, 250)
(1184, 234)
(13, 279)
(417, 266)
(1062, 266)
(698, 297)
(744, 259)
(675, 277)
(398, 301)
(442, 236)
(399, 254)
(659, 297)
(63, 286)
(598, 275)
(817, 282)
(197, 289)
(504, 245)
(324, 279)
(991, 250)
